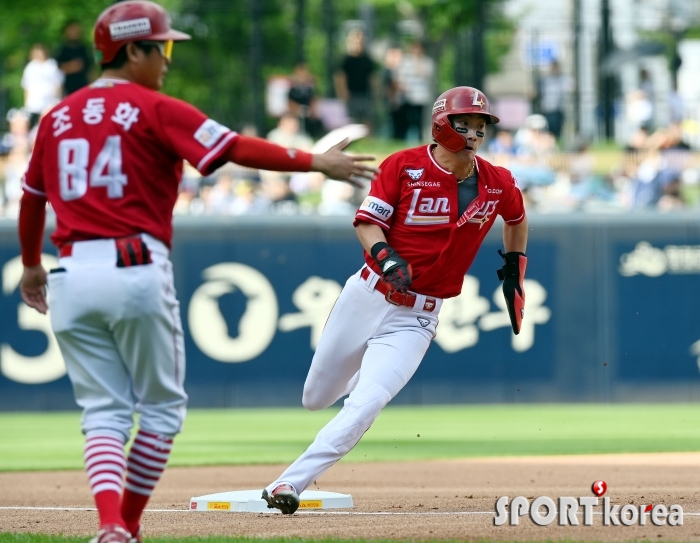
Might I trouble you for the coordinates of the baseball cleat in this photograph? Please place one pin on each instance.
(137, 537)
(283, 497)
(111, 533)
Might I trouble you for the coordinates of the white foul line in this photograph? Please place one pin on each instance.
(315, 512)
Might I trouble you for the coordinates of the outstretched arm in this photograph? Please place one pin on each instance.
(334, 163)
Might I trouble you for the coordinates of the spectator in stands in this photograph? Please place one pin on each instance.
(534, 146)
(274, 186)
(638, 140)
(502, 143)
(248, 200)
(393, 97)
(639, 104)
(74, 58)
(301, 100)
(354, 79)
(221, 196)
(288, 134)
(553, 88)
(17, 145)
(416, 77)
(676, 105)
(41, 81)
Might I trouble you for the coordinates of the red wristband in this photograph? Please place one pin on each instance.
(261, 154)
(32, 216)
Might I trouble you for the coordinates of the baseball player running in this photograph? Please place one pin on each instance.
(421, 226)
(109, 159)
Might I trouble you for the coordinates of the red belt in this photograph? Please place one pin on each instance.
(398, 298)
(130, 252)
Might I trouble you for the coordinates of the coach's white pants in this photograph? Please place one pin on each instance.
(370, 349)
(121, 337)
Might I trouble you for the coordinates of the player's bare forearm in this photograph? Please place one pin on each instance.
(369, 234)
(32, 288)
(515, 237)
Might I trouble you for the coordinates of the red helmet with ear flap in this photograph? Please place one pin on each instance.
(454, 102)
(125, 22)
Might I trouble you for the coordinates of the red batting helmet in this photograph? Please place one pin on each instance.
(454, 102)
(125, 22)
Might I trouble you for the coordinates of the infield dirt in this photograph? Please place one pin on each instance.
(415, 500)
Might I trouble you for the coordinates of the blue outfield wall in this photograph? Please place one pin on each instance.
(612, 314)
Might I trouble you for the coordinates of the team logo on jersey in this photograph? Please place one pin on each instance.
(209, 133)
(483, 215)
(476, 101)
(415, 174)
(423, 322)
(376, 207)
(439, 105)
(427, 210)
(130, 29)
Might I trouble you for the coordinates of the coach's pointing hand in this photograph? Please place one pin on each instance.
(32, 286)
(342, 167)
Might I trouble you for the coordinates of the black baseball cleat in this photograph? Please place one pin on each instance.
(283, 497)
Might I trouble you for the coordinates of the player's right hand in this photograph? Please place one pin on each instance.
(513, 275)
(395, 270)
(32, 287)
(343, 167)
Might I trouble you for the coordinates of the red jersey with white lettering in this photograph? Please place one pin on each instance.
(415, 201)
(109, 160)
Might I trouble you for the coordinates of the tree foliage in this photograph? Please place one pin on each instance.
(214, 70)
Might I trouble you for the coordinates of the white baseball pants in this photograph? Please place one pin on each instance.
(369, 349)
(120, 334)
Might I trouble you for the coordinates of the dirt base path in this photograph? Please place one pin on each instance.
(419, 500)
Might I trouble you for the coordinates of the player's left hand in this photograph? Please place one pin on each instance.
(32, 286)
(343, 167)
(513, 274)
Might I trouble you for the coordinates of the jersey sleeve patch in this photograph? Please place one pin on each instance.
(209, 133)
(377, 208)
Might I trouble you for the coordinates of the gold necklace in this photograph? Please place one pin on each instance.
(471, 171)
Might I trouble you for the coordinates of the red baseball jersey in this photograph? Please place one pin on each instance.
(109, 160)
(415, 201)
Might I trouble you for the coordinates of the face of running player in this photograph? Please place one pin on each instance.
(472, 127)
(148, 69)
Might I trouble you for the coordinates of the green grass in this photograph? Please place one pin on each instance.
(47, 441)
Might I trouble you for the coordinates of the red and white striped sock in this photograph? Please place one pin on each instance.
(147, 459)
(105, 464)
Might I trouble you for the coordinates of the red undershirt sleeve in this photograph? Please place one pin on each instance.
(32, 216)
(263, 155)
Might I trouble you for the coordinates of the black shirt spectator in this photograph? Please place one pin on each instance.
(358, 71)
(353, 80)
(74, 59)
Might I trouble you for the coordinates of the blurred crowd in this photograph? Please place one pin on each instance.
(392, 99)
(655, 170)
